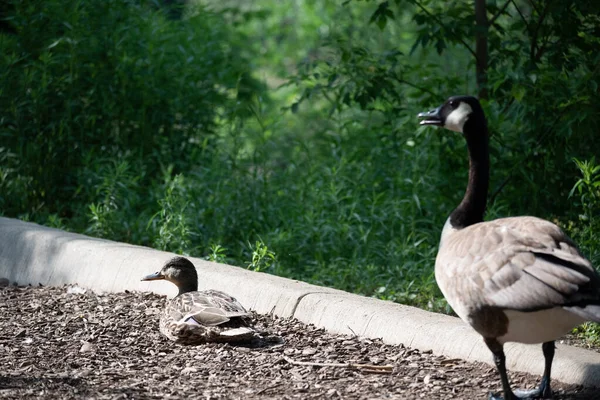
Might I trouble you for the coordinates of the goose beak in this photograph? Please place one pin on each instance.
(432, 117)
(153, 277)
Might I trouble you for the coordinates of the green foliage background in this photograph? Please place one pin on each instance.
(281, 136)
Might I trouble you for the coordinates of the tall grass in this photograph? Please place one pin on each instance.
(99, 97)
(350, 208)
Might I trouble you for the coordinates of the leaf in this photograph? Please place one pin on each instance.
(55, 43)
(415, 45)
(575, 187)
(331, 79)
(518, 92)
(345, 55)
(381, 15)
(440, 45)
(381, 23)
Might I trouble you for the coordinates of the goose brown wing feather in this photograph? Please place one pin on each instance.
(521, 263)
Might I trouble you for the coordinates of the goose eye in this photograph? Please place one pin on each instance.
(453, 103)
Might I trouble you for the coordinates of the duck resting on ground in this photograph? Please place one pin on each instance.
(518, 279)
(194, 317)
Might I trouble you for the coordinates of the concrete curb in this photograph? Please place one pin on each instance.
(32, 254)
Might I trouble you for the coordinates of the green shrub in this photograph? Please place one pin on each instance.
(90, 81)
(584, 231)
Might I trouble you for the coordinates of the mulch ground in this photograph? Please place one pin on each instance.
(61, 345)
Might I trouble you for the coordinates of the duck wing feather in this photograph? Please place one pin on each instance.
(210, 308)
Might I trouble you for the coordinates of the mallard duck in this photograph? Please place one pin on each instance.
(195, 317)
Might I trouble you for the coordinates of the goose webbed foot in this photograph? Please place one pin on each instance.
(542, 392)
(498, 396)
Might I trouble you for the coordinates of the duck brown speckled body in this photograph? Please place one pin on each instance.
(196, 317)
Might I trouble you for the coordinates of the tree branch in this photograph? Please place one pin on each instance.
(536, 31)
(495, 17)
(543, 48)
(439, 21)
(534, 6)
(499, 189)
(521, 14)
(412, 85)
(481, 47)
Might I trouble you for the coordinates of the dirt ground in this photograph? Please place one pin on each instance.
(60, 345)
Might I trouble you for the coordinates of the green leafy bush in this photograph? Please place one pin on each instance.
(98, 97)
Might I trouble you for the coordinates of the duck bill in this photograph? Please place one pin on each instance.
(432, 117)
(153, 277)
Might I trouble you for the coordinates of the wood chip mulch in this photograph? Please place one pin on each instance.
(64, 343)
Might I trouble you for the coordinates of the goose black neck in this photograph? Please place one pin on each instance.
(472, 207)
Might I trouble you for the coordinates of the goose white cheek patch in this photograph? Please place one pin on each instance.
(455, 121)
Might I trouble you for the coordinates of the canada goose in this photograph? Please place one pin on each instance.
(195, 317)
(517, 279)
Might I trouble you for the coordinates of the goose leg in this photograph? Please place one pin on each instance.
(500, 361)
(542, 392)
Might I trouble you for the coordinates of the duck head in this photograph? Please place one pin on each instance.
(180, 271)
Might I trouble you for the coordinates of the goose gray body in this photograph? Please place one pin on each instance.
(518, 279)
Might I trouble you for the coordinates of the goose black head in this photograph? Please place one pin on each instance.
(457, 114)
(178, 270)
